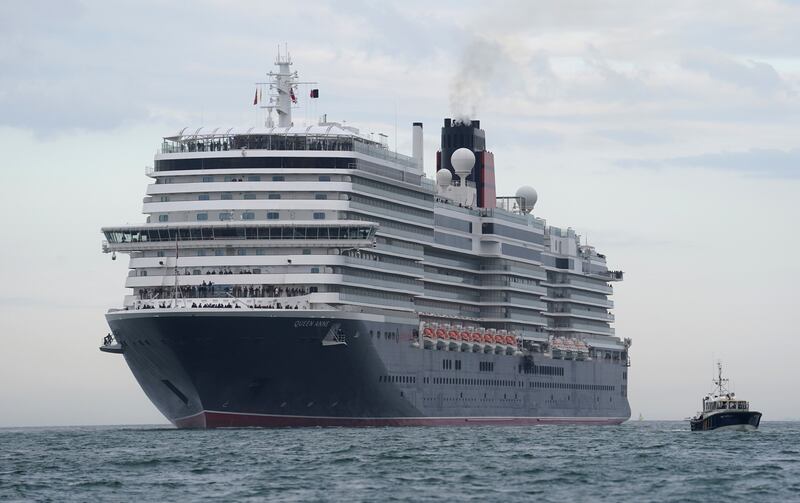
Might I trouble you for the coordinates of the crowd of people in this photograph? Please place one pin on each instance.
(220, 305)
(209, 289)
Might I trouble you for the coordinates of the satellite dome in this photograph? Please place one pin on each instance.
(528, 196)
(463, 160)
(444, 178)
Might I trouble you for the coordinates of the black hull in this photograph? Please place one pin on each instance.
(733, 420)
(254, 368)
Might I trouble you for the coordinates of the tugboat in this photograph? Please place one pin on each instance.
(723, 411)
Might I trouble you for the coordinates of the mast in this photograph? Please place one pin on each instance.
(720, 382)
(282, 90)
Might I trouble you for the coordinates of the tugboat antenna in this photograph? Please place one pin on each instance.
(719, 381)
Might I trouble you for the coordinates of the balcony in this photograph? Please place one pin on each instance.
(581, 313)
(581, 299)
(582, 285)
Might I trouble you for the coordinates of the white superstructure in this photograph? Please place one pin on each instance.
(324, 218)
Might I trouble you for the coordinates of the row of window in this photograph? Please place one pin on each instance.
(243, 163)
(545, 370)
(567, 385)
(219, 252)
(446, 239)
(496, 382)
(254, 232)
(256, 178)
(388, 335)
(224, 216)
(380, 276)
(398, 379)
(227, 196)
(391, 188)
(521, 252)
(469, 381)
(512, 232)
(448, 364)
(384, 204)
(246, 215)
(453, 223)
(486, 366)
(421, 232)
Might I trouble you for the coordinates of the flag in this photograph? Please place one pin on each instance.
(260, 100)
(291, 95)
(314, 93)
(255, 98)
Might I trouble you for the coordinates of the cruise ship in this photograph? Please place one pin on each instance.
(310, 276)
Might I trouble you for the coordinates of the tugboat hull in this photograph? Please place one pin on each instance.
(735, 421)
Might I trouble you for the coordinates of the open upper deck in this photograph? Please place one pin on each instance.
(324, 137)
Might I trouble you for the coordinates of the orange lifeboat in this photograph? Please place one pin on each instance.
(500, 344)
(488, 343)
(466, 345)
(453, 336)
(477, 341)
(427, 337)
(441, 337)
(512, 344)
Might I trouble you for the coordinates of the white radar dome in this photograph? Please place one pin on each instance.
(463, 160)
(444, 178)
(529, 197)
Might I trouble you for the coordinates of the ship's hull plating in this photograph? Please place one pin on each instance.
(239, 368)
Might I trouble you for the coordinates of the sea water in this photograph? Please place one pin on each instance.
(637, 461)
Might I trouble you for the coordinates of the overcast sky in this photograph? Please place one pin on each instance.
(664, 132)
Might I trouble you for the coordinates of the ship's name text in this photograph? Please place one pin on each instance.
(311, 323)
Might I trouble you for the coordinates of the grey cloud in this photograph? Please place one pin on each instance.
(772, 163)
(755, 75)
(614, 85)
(633, 136)
(521, 136)
(96, 67)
